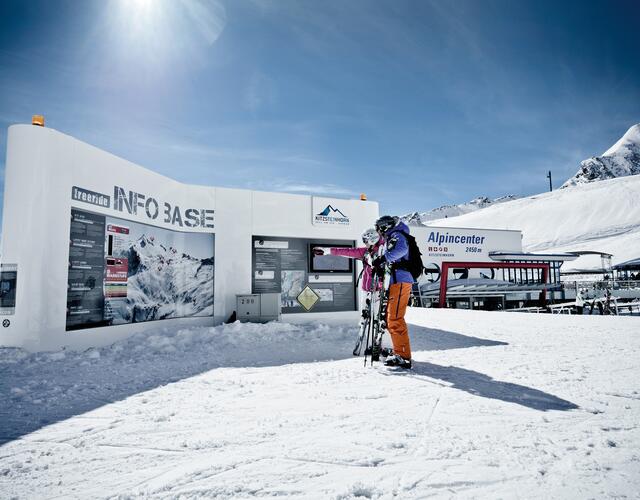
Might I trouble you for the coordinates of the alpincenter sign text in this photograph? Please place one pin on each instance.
(440, 238)
(139, 204)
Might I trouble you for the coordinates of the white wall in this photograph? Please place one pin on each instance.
(42, 167)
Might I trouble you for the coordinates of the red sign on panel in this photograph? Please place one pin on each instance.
(112, 228)
(117, 269)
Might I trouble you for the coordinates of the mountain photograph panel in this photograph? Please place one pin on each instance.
(145, 273)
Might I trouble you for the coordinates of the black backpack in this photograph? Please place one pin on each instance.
(413, 263)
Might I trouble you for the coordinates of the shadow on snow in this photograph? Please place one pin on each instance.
(484, 386)
(431, 339)
(41, 389)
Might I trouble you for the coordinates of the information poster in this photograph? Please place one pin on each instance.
(85, 296)
(126, 272)
(285, 265)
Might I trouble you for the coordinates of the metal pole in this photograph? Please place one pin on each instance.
(550, 184)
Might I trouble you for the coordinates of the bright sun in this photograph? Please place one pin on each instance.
(157, 33)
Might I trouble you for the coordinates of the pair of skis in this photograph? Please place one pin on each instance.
(373, 322)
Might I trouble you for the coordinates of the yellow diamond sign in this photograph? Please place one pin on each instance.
(308, 298)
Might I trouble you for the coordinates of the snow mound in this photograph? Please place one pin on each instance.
(72, 382)
(620, 160)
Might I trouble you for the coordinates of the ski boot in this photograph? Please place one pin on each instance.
(399, 361)
(385, 352)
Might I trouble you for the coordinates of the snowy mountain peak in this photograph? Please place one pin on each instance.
(445, 211)
(143, 241)
(628, 141)
(620, 160)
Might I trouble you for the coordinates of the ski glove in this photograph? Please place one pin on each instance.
(321, 251)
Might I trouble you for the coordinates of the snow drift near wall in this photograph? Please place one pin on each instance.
(602, 216)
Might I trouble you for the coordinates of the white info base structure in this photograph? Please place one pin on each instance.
(95, 248)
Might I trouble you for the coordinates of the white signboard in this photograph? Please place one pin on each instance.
(451, 244)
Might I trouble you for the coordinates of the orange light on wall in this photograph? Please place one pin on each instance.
(363, 197)
(37, 120)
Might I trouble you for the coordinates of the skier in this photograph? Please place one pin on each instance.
(396, 254)
(371, 303)
(366, 254)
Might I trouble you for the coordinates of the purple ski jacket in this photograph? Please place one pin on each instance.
(397, 250)
(359, 253)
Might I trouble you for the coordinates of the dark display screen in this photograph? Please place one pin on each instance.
(329, 263)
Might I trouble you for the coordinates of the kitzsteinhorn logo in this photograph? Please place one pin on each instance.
(332, 215)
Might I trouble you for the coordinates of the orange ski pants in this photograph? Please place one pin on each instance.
(399, 294)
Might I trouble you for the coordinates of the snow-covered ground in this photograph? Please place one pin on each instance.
(498, 405)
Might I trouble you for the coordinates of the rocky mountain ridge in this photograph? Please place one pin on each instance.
(445, 211)
(620, 160)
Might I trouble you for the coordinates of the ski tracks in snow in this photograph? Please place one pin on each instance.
(406, 482)
(333, 429)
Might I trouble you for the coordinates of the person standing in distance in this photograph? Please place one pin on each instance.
(396, 254)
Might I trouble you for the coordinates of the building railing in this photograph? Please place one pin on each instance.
(602, 284)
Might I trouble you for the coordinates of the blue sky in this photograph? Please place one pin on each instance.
(417, 103)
